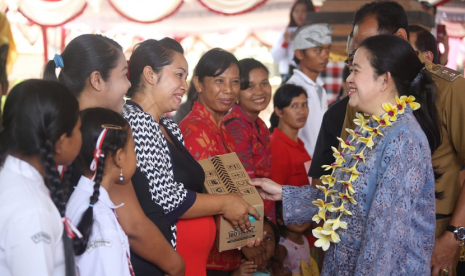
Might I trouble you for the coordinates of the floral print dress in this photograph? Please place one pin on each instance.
(391, 229)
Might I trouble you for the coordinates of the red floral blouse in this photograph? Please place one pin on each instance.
(204, 139)
(252, 144)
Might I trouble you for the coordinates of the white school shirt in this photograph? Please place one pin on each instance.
(31, 226)
(108, 247)
(316, 108)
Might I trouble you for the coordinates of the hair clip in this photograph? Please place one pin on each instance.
(110, 126)
(58, 61)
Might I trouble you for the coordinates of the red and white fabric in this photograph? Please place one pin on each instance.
(232, 7)
(332, 78)
(143, 11)
(51, 13)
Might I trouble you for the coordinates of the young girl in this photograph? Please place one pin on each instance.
(297, 250)
(270, 243)
(40, 130)
(107, 158)
(94, 68)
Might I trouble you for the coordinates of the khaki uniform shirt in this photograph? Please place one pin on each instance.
(450, 155)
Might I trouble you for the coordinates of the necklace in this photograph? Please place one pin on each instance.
(332, 186)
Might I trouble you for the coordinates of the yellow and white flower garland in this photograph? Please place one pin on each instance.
(327, 234)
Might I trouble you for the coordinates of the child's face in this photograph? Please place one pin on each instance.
(298, 228)
(270, 240)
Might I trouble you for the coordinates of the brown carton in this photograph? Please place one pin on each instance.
(225, 174)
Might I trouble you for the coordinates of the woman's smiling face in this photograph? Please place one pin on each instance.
(218, 94)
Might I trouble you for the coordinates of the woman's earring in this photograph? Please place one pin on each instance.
(121, 177)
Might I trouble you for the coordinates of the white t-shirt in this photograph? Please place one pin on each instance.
(31, 227)
(108, 247)
(317, 106)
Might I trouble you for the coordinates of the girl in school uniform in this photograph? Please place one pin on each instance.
(107, 158)
(40, 130)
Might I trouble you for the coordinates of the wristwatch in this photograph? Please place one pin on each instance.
(459, 232)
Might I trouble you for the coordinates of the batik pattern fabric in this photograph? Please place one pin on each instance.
(252, 145)
(154, 160)
(204, 138)
(391, 229)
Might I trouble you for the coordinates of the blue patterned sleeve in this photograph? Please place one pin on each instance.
(403, 208)
(297, 204)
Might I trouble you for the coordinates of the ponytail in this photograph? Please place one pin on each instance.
(423, 89)
(274, 121)
(87, 220)
(49, 71)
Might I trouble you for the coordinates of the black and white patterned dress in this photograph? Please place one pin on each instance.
(154, 161)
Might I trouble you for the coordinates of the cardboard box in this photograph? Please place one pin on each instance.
(225, 174)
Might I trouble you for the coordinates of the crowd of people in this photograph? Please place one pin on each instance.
(95, 179)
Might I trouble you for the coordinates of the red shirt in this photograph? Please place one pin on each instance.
(204, 138)
(288, 160)
(252, 143)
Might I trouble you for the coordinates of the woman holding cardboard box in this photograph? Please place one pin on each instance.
(250, 133)
(158, 72)
(217, 80)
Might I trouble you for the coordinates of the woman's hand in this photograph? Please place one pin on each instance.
(267, 188)
(236, 210)
(245, 268)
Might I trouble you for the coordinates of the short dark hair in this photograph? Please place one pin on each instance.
(282, 98)
(154, 53)
(82, 56)
(425, 41)
(390, 16)
(296, 60)
(310, 8)
(390, 53)
(214, 62)
(247, 65)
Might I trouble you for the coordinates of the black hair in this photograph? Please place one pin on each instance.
(296, 60)
(390, 53)
(92, 120)
(425, 41)
(154, 53)
(282, 98)
(247, 65)
(36, 114)
(274, 228)
(345, 75)
(390, 16)
(83, 55)
(214, 62)
(310, 8)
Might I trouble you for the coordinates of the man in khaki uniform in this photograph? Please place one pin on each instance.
(450, 155)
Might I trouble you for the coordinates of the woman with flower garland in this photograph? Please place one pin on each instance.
(378, 202)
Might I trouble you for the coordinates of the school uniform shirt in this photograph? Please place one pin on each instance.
(317, 106)
(107, 250)
(31, 226)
